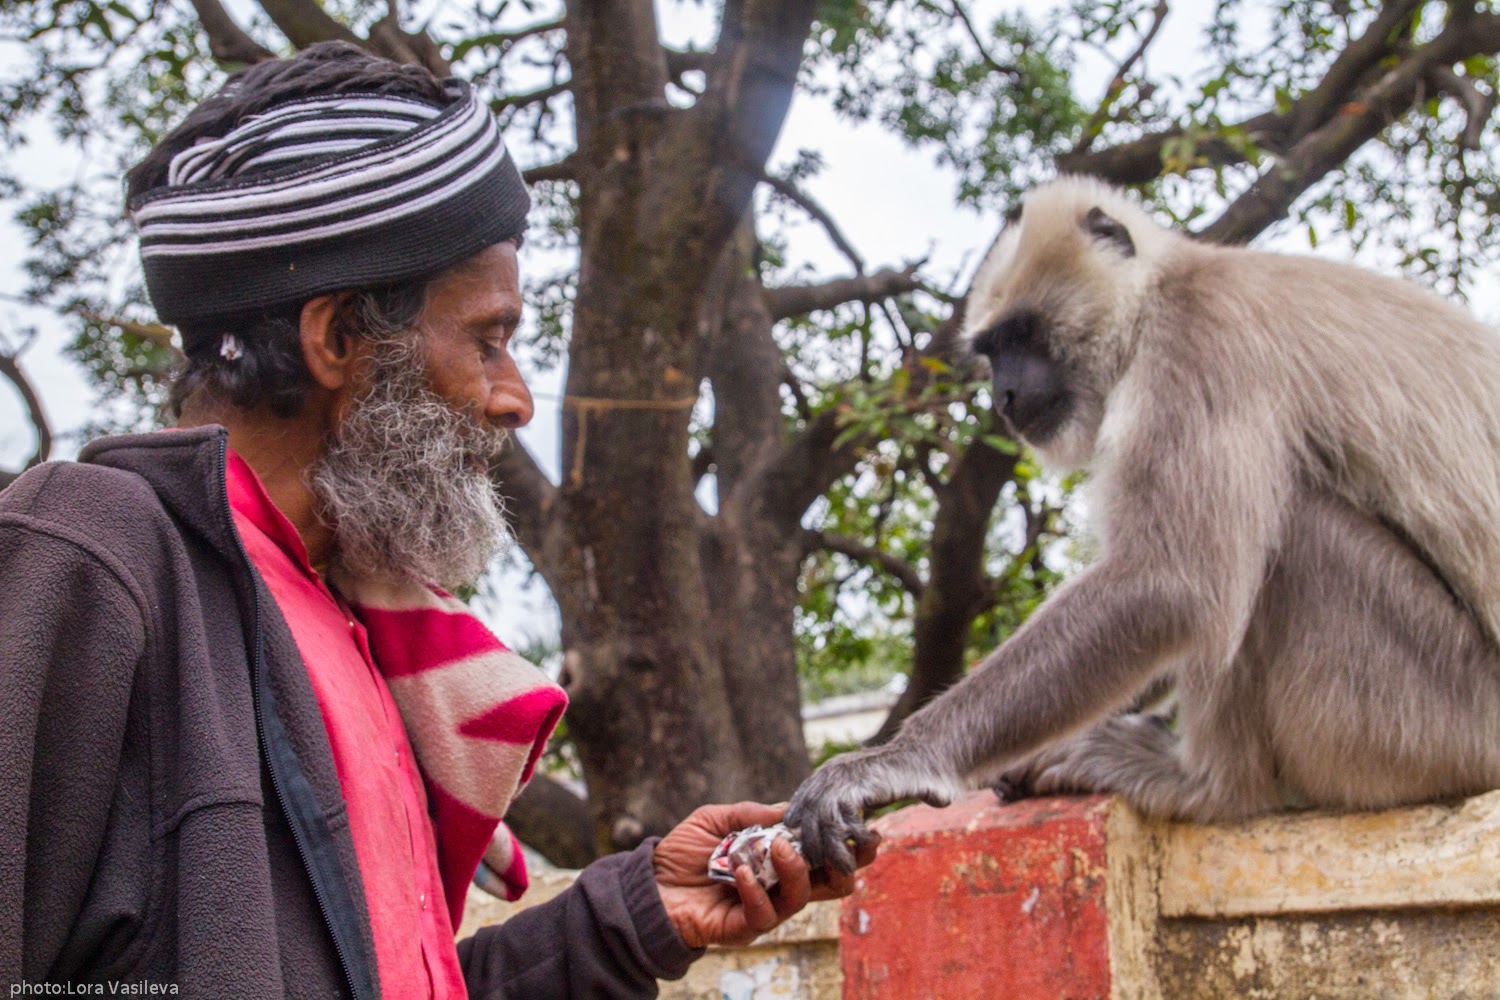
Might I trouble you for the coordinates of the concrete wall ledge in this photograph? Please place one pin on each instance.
(1429, 856)
(1082, 898)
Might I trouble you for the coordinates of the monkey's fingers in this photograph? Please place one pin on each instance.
(936, 799)
(838, 857)
(840, 832)
(862, 835)
(812, 833)
(1013, 789)
(822, 829)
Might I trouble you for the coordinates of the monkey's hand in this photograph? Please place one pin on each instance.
(828, 810)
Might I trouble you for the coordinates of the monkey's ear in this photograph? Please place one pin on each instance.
(1109, 229)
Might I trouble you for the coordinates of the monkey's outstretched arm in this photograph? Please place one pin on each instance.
(1189, 556)
(1084, 651)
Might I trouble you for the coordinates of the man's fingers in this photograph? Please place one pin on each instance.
(795, 879)
(835, 885)
(722, 820)
(743, 814)
(760, 914)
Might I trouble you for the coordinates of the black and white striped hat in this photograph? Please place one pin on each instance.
(325, 194)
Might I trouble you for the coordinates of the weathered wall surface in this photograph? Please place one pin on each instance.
(797, 961)
(1081, 899)
(979, 901)
(1399, 904)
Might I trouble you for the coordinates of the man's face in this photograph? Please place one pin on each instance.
(404, 482)
(472, 313)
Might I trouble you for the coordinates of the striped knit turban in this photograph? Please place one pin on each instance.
(326, 194)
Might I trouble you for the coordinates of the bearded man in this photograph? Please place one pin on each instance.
(249, 745)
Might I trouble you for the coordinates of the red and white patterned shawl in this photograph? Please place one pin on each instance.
(478, 716)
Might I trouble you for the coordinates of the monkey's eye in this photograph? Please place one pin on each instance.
(1111, 230)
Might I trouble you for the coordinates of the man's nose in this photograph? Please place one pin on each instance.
(510, 403)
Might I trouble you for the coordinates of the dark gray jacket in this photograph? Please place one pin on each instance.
(169, 808)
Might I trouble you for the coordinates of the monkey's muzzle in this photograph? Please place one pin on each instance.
(1030, 392)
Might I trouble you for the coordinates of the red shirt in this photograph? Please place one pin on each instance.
(382, 786)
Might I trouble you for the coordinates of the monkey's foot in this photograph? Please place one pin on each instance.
(1115, 756)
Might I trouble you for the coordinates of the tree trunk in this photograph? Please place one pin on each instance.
(671, 615)
(956, 586)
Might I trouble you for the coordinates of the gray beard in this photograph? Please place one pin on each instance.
(404, 483)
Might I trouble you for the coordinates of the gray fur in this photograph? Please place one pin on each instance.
(1295, 482)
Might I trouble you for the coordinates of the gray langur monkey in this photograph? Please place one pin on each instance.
(1295, 484)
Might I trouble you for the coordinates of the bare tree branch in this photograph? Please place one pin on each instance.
(1353, 67)
(945, 343)
(533, 96)
(530, 503)
(562, 170)
(1140, 161)
(681, 62)
(807, 466)
(798, 300)
(417, 48)
(1478, 106)
(1362, 119)
(984, 53)
(957, 588)
(554, 822)
(796, 196)
(305, 23)
(11, 369)
(751, 79)
(900, 569)
(794, 386)
(1119, 79)
(505, 39)
(703, 462)
(228, 43)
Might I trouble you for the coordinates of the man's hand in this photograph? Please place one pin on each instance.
(707, 912)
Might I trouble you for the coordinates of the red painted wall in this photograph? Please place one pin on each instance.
(981, 900)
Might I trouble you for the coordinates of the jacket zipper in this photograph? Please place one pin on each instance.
(257, 666)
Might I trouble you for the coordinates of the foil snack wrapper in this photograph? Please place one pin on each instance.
(750, 846)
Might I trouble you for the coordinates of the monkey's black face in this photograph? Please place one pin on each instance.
(1030, 385)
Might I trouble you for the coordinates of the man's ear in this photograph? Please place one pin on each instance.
(326, 348)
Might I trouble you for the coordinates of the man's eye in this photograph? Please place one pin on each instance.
(489, 350)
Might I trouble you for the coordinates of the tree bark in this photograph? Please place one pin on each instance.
(751, 553)
(10, 368)
(652, 673)
(554, 822)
